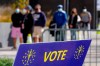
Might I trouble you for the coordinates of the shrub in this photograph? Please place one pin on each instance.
(6, 62)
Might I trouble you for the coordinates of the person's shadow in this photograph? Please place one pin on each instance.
(10, 40)
(0, 45)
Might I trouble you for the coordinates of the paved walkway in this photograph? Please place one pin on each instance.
(92, 58)
(8, 52)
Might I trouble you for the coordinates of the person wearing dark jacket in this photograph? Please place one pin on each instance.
(39, 20)
(73, 23)
(28, 23)
(16, 26)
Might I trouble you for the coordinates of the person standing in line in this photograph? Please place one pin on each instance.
(86, 18)
(60, 19)
(28, 23)
(79, 24)
(16, 26)
(40, 21)
(73, 23)
(86, 21)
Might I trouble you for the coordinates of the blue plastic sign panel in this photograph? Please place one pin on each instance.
(70, 53)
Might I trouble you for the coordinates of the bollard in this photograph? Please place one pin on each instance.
(29, 38)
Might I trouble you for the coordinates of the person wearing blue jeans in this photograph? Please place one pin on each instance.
(73, 34)
(73, 23)
(60, 19)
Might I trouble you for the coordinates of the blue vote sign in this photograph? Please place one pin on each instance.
(70, 53)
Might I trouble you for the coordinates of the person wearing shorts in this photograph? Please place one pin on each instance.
(16, 26)
(39, 23)
(37, 33)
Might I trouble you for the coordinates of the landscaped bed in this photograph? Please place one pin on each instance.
(6, 62)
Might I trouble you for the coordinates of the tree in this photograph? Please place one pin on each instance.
(20, 3)
(23, 3)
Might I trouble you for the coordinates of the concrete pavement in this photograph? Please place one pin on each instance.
(92, 58)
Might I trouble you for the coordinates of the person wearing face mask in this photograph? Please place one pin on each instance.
(86, 18)
(60, 20)
(72, 22)
(28, 22)
(16, 26)
(39, 23)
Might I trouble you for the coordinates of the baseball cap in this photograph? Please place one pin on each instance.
(60, 6)
(28, 7)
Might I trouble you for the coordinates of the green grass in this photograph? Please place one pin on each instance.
(6, 62)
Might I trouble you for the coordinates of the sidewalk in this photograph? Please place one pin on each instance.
(7, 52)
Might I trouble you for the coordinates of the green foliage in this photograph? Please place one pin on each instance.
(14, 3)
(23, 3)
(6, 62)
(20, 3)
(5, 16)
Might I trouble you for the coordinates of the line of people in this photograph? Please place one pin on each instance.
(33, 22)
(74, 21)
(27, 22)
(81, 21)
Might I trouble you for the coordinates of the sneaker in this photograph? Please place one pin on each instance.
(14, 48)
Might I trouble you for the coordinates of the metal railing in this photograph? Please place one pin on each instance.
(93, 55)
